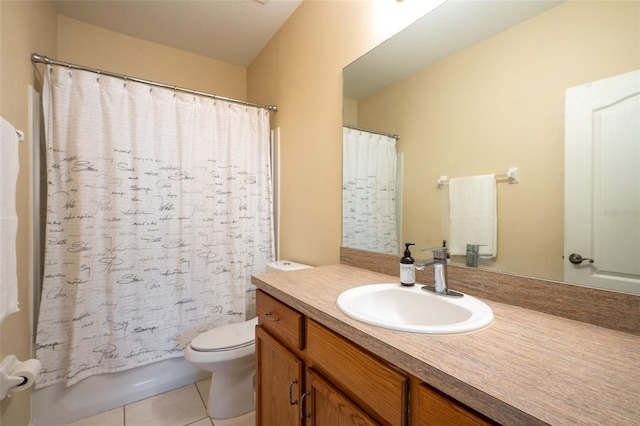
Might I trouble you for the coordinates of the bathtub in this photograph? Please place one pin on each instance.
(57, 405)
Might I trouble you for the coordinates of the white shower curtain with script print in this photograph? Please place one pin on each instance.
(159, 209)
(369, 191)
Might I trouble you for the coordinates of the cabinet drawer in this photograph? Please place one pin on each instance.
(381, 390)
(436, 409)
(282, 321)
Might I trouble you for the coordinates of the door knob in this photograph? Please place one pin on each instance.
(577, 259)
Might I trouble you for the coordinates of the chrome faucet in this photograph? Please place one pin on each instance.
(439, 263)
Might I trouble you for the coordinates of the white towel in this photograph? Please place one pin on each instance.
(8, 219)
(472, 214)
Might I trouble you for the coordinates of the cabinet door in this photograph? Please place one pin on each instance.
(324, 405)
(279, 376)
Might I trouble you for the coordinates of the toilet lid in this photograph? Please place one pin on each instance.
(226, 337)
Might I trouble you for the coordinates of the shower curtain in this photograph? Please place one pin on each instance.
(159, 209)
(369, 191)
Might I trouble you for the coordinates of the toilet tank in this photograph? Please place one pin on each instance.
(285, 265)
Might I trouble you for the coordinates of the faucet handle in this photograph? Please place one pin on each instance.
(475, 248)
(439, 253)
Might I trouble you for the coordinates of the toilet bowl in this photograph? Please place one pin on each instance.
(228, 352)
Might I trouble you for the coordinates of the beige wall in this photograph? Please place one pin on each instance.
(300, 70)
(91, 46)
(500, 104)
(25, 27)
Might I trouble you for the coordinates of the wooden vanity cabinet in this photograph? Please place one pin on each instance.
(307, 375)
(279, 363)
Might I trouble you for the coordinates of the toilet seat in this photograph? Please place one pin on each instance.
(227, 337)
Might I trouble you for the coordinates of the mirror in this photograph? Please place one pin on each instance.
(483, 93)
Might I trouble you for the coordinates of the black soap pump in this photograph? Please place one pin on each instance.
(407, 267)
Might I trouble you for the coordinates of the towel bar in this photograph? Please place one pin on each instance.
(511, 175)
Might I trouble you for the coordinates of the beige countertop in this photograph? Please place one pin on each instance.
(526, 368)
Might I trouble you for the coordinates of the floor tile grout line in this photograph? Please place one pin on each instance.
(203, 404)
(201, 396)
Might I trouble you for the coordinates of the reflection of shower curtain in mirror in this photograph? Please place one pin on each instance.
(159, 210)
(369, 191)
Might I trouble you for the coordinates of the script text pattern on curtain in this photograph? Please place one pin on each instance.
(369, 191)
(159, 209)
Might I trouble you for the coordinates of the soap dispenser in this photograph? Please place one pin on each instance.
(407, 267)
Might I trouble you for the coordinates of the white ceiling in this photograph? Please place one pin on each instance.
(233, 31)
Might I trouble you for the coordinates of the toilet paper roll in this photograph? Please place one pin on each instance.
(29, 370)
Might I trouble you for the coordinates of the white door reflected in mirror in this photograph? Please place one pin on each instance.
(602, 183)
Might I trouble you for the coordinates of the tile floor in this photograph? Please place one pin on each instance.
(180, 407)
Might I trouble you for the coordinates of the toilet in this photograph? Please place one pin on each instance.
(228, 352)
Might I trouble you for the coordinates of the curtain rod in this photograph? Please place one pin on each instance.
(35, 58)
(348, 126)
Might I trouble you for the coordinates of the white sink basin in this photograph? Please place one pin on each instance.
(414, 310)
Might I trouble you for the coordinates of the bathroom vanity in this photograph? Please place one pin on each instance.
(317, 366)
(345, 384)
